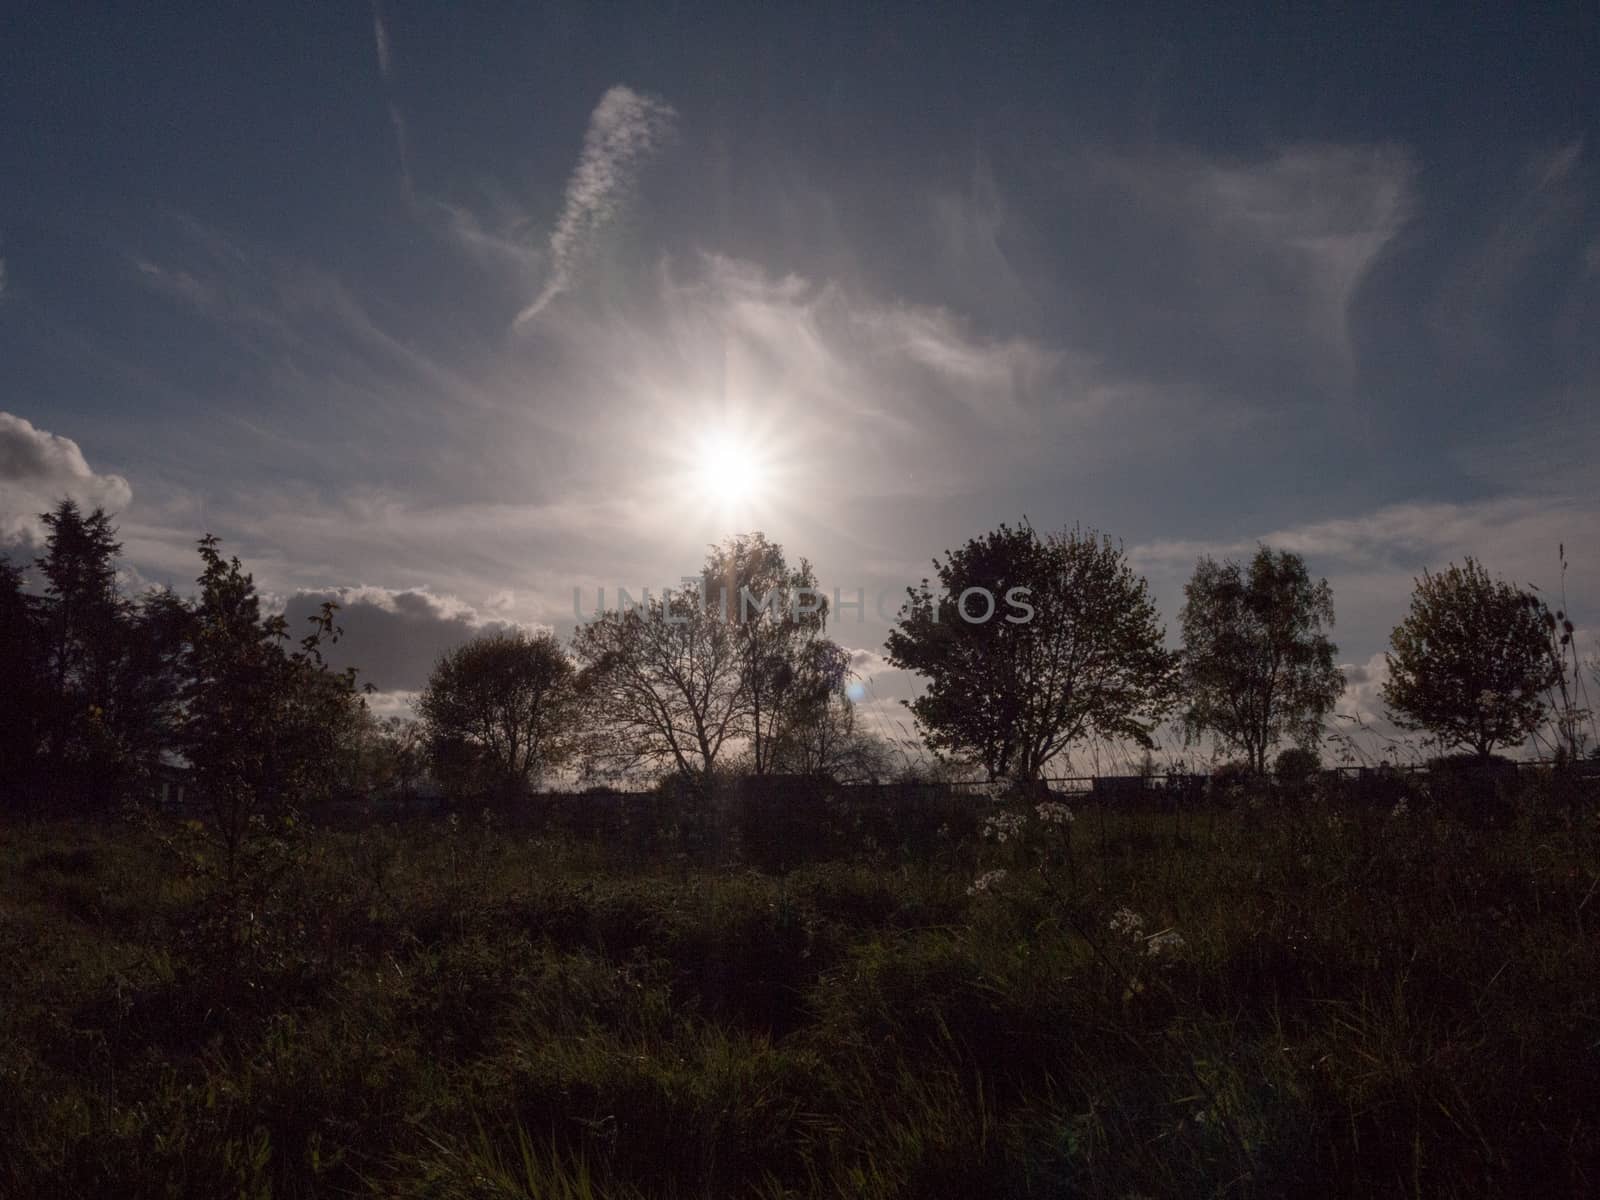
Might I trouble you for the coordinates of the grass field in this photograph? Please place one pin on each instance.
(1287, 998)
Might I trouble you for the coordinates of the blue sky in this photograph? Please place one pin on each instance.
(438, 309)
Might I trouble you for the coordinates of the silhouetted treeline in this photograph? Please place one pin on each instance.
(111, 696)
(106, 694)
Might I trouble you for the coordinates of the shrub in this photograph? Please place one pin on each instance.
(1296, 765)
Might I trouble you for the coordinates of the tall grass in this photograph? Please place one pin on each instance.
(1316, 999)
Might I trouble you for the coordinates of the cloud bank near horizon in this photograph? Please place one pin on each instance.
(38, 469)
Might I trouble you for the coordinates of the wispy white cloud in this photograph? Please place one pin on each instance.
(37, 470)
(1261, 258)
(1516, 535)
(397, 121)
(178, 284)
(1473, 310)
(380, 38)
(625, 129)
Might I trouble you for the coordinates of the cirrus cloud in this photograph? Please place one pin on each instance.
(625, 129)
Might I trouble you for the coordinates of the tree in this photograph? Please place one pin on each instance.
(1258, 666)
(141, 705)
(1070, 648)
(1469, 662)
(23, 695)
(831, 743)
(83, 626)
(402, 755)
(662, 686)
(508, 700)
(262, 724)
(82, 600)
(788, 669)
(111, 667)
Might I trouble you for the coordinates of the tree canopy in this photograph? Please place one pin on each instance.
(788, 670)
(506, 702)
(1259, 667)
(1070, 647)
(1470, 662)
(662, 686)
(263, 720)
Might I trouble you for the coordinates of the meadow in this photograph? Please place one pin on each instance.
(1279, 993)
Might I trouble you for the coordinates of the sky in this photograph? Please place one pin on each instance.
(445, 311)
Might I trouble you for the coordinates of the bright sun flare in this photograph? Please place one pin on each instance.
(728, 470)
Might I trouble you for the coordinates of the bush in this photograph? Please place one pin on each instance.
(1231, 777)
(1296, 765)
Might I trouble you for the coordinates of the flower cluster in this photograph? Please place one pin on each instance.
(1053, 812)
(1127, 922)
(1002, 826)
(986, 881)
(1167, 940)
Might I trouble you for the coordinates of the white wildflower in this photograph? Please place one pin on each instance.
(1401, 810)
(1002, 826)
(1160, 943)
(1126, 921)
(1053, 812)
(986, 881)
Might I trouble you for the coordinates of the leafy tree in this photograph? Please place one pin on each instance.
(83, 628)
(402, 757)
(141, 705)
(262, 723)
(1258, 666)
(382, 756)
(82, 599)
(1076, 652)
(1469, 662)
(111, 667)
(788, 669)
(663, 687)
(831, 743)
(504, 702)
(23, 694)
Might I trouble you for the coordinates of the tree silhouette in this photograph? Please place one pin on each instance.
(108, 668)
(23, 696)
(788, 670)
(1469, 662)
(508, 700)
(1014, 691)
(662, 685)
(262, 722)
(1258, 666)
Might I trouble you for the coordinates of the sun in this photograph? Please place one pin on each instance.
(729, 471)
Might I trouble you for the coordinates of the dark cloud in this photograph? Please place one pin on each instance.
(391, 637)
